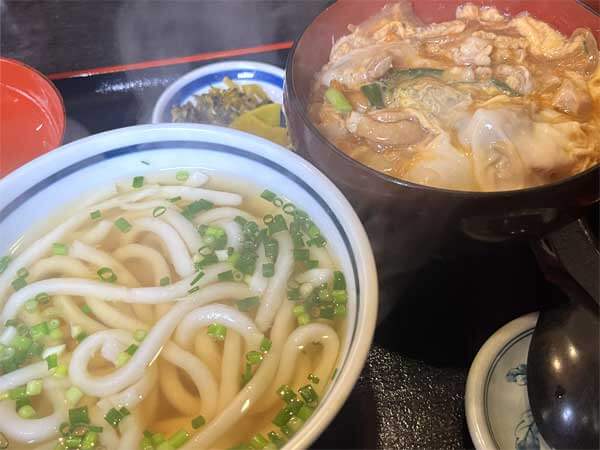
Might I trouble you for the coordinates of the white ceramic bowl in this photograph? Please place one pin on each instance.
(199, 81)
(41, 188)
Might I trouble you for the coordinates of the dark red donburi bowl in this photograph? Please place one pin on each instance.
(407, 222)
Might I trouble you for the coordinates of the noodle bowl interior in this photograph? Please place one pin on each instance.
(179, 311)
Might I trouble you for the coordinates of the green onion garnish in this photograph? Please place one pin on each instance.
(59, 249)
(268, 219)
(283, 417)
(124, 412)
(107, 274)
(289, 208)
(226, 276)
(18, 393)
(340, 310)
(240, 220)
(278, 202)
(4, 262)
(265, 345)
(131, 349)
(73, 395)
(182, 175)
(268, 270)
(217, 331)
(122, 225)
(313, 378)
(305, 412)
(198, 422)
(373, 94)
(339, 281)
(86, 309)
(311, 264)
(140, 335)
(138, 182)
(79, 415)
(197, 278)
(146, 443)
(268, 195)
(246, 304)
(26, 412)
(278, 224)
(158, 438)
(286, 393)
(253, 357)
(42, 298)
(113, 417)
(159, 211)
(22, 272)
(271, 249)
(309, 395)
(293, 294)
(31, 305)
(174, 199)
(95, 215)
(89, 440)
(39, 330)
(179, 438)
(258, 442)
(191, 210)
(339, 296)
(165, 281)
(275, 439)
(335, 371)
(338, 100)
(194, 289)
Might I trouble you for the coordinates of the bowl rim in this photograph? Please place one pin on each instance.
(477, 377)
(296, 103)
(183, 80)
(61, 121)
(354, 359)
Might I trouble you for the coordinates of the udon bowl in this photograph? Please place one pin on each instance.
(407, 222)
(43, 187)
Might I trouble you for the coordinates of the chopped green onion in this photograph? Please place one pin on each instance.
(17, 393)
(283, 417)
(56, 334)
(293, 294)
(268, 219)
(253, 357)
(258, 442)
(140, 335)
(86, 309)
(504, 88)
(311, 264)
(286, 431)
(295, 423)
(31, 305)
(4, 262)
(340, 310)
(158, 438)
(165, 281)
(179, 438)
(113, 417)
(53, 324)
(122, 359)
(278, 202)
(309, 395)
(122, 225)
(79, 415)
(191, 210)
(268, 270)
(95, 428)
(26, 412)
(174, 199)
(159, 211)
(124, 412)
(72, 441)
(39, 330)
(146, 443)
(271, 249)
(138, 182)
(182, 175)
(327, 312)
(73, 395)
(60, 371)
(373, 94)
(81, 336)
(247, 375)
(6, 353)
(193, 290)
(107, 274)
(265, 345)
(338, 100)
(276, 439)
(278, 224)
(313, 378)
(198, 422)
(339, 296)
(217, 331)
(59, 249)
(18, 283)
(317, 242)
(303, 319)
(225, 276)
(339, 281)
(22, 343)
(240, 220)
(131, 349)
(52, 361)
(268, 195)
(286, 393)
(335, 371)
(22, 272)
(215, 237)
(289, 208)
(246, 304)
(299, 309)
(207, 261)
(95, 215)
(301, 254)
(197, 278)
(89, 440)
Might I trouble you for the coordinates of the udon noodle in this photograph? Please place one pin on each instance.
(169, 314)
(484, 102)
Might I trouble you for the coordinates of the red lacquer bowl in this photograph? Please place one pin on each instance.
(32, 115)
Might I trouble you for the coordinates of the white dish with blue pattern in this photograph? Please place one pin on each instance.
(37, 191)
(199, 81)
(496, 400)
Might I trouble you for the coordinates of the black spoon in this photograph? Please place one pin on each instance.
(563, 362)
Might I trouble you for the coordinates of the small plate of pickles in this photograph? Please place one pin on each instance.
(244, 95)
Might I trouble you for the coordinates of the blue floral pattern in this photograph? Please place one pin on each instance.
(518, 375)
(526, 432)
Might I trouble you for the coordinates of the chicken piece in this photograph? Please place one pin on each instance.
(483, 73)
(440, 29)
(387, 127)
(572, 99)
(331, 123)
(517, 77)
(346, 44)
(469, 11)
(473, 50)
(490, 14)
(358, 67)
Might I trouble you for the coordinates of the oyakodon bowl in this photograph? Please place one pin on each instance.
(407, 222)
(37, 191)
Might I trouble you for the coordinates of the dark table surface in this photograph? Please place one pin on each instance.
(411, 391)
